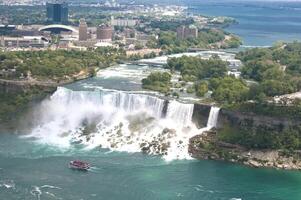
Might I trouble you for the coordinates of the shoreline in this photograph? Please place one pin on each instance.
(207, 147)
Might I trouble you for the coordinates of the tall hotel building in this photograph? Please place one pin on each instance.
(57, 12)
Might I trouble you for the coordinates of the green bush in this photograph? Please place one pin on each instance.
(157, 81)
(201, 88)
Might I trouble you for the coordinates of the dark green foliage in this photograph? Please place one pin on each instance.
(269, 109)
(275, 87)
(263, 137)
(157, 81)
(12, 103)
(255, 54)
(233, 42)
(194, 68)
(229, 90)
(169, 43)
(277, 69)
(175, 94)
(57, 64)
(201, 88)
(260, 70)
(135, 57)
(150, 55)
(24, 14)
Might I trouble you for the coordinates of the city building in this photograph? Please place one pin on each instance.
(57, 12)
(104, 33)
(82, 30)
(24, 42)
(123, 22)
(19, 30)
(184, 32)
(7, 27)
(59, 29)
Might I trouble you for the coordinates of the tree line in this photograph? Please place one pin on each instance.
(58, 64)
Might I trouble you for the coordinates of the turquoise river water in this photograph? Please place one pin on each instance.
(31, 171)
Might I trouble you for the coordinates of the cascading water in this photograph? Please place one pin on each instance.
(116, 120)
(119, 121)
(213, 117)
(179, 112)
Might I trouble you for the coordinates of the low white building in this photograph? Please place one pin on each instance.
(123, 22)
(24, 42)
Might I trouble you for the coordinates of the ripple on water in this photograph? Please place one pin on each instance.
(51, 187)
(37, 191)
(8, 184)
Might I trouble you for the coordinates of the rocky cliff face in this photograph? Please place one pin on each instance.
(235, 118)
(210, 145)
(10, 86)
(201, 114)
(241, 119)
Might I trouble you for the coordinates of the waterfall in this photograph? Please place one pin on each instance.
(213, 117)
(119, 121)
(115, 120)
(211, 122)
(179, 112)
(115, 100)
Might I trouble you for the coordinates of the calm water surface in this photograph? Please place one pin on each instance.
(260, 23)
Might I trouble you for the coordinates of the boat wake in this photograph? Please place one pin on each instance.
(37, 191)
(118, 121)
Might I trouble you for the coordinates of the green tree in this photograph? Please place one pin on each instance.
(157, 81)
(201, 88)
(229, 89)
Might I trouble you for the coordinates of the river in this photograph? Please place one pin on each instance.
(32, 171)
(260, 23)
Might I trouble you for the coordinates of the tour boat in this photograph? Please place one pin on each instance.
(80, 165)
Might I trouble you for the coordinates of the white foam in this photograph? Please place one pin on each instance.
(36, 192)
(213, 117)
(124, 71)
(51, 187)
(8, 184)
(118, 120)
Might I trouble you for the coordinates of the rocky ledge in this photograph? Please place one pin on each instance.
(207, 146)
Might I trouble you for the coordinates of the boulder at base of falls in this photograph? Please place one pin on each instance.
(159, 145)
(207, 146)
